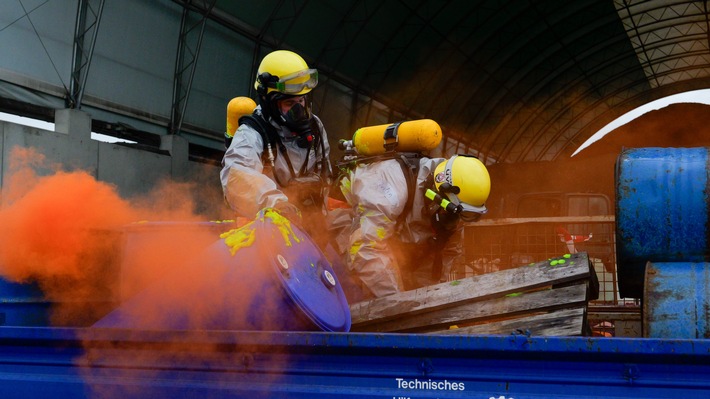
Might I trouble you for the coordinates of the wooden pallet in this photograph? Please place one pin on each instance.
(545, 299)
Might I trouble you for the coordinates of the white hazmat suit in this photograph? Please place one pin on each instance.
(250, 184)
(382, 239)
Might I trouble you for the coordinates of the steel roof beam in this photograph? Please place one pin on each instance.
(186, 60)
(88, 19)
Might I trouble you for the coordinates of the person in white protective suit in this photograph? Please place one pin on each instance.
(279, 156)
(404, 225)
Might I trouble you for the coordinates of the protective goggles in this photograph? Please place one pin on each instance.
(294, 88)
(467, 212)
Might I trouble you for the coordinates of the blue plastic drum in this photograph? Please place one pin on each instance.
(267, 275)
(661, 211)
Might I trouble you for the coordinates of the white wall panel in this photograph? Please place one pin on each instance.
(134, 59)
(36, 41)
(223, 72)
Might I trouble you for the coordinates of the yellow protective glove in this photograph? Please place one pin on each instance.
(290, 212)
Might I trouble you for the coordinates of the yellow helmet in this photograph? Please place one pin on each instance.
(285, 72)
(465, 181)
(238, 107)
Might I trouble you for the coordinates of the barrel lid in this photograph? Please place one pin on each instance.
(306, 274)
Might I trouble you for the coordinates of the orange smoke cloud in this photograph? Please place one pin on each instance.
(45, 231)
(53, 230)
(93, 253)
(67, 232)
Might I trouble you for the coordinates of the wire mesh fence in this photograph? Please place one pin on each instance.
(509, 243)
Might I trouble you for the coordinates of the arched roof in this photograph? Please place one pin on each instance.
(511, 81)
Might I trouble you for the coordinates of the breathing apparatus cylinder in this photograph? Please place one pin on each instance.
(236, 108)
(410, 136)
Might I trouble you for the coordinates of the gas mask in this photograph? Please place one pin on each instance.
(298, 119)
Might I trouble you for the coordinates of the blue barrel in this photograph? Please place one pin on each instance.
(677, 300)
(266, 276)
(23, 305)
(55, 299)
(661, 211)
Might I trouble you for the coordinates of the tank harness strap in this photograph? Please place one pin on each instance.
(267, 132)
(410, 167)
(270, 138)
(323, 168)
(391, 137)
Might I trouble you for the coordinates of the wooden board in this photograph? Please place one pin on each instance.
(566, 322)
(472, 289)
(495, 308)
(552, 219)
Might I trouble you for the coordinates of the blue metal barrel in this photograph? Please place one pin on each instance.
(661, 211)
(677, 300)
(265, 276)
(23, 305)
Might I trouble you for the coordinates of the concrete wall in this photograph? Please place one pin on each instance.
(133, 171)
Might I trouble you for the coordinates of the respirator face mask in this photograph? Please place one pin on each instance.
(298, 119)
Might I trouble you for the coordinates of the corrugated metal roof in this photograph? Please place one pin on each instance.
(511, 81)
(517, 81)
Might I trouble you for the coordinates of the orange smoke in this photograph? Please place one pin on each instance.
(67, 232)
(92, 252)
(53, 230)
(45, 232)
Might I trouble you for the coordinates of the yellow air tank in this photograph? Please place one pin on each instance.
(410, 136)
(238, 107)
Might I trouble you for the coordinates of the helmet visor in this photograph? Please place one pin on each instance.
(471, 213)
(286, 86)
(467, 212)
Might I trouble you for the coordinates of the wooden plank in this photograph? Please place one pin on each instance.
(495, 308)
(596, 316)
(552, 219)
(566, 322)
(592, 284)
(476, 288)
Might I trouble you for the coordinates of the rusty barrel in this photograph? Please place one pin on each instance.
(677, 300)
(661, 211)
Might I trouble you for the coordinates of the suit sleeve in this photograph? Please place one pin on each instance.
(246, 188)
